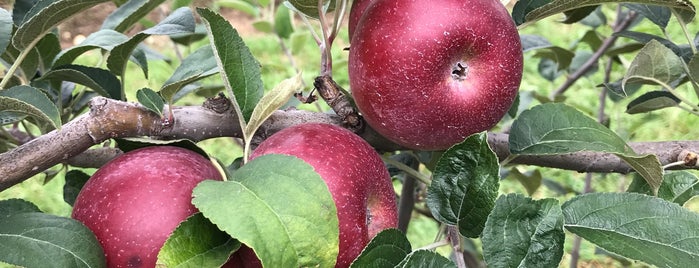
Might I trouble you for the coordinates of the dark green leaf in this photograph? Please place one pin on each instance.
(151, 100)
(559, 55)
(241, 72)
(592, 38)
(425, 258)
(275, 202)
(99, 80)
(522, 232)
(465, 185)
(387, 249)
(595, 19)
(535, 11)
(636, 226)
(282, 22)
(623, 49)
(530, 180)
(189, 38)
(655, 64)
(195, 243)
(693, 66)
(239, 5)
(130, 144)
(651, 101)
(48, 48)
(677, 187)
(28, 67)
(22, 7)
(198, 65)
(180, 21)
(75, 180)
(549, 69)
(46, 15)
(524, 7)
(645, 38)
(532, 42)
(104, 39)
(555, 128)
(30, 101)
(129, 13)
(6, 26)
(659, 15)
(10, 207)
(309, 7)
(575, 15)
(41, 240)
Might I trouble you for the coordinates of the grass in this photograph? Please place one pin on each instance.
(668, 124)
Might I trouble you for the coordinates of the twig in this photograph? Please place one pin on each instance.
(608, 43)
(407, 198)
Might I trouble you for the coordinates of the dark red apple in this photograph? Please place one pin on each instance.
(356, 12)
(355, 175)
(135, 201)
(427, 74)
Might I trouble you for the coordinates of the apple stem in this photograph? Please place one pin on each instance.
(454, 239)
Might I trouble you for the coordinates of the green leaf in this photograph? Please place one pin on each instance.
(693, 66)
(677, 187)
(30, 101)
(241, 72)
(425, 258)
(104, 39)
(534, 10)
(101, 81)
(151, 100)
(275, 202)
(198, 65)
(556, 128)
(464, 185)
(195, 243)
(48, 48)
(239, 5)
(6, 26)
(309, 8)
(576, 15)
(28, 67)
(561, 56)
(655, 64)
(75, 180)
(35, 239)
(10, 207)
(46, 15)
(522, 232)
(180, 21)
(387, 249)
(636, 226)
(651, 101)
(531, 180)
(263, 26)
(129, 13)
(282, 22)
(272, 101)
(659, 15)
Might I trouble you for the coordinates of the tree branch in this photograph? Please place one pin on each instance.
(109, 118)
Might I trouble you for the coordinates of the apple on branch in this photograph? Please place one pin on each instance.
(135, 201)
(355, 175)
(428, 74)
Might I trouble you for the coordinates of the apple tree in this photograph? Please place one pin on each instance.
(440, 114)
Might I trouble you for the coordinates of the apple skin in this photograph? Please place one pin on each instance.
(356, 12)
(355, 175)
(404, 69)
(135, 201)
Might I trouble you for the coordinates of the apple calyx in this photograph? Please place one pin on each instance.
(459, 71)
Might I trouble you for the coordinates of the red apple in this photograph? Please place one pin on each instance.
(135, 201)
(355, 175)
(427, 74)
(356, 12)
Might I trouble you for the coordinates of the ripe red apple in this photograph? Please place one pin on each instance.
(135, 201)
(427, 74)
(355, 175)
(356, 12)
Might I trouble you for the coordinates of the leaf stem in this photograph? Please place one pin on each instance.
(683, 25)
(408, 170)
(674, 164)
(325, 44)
(435, 245)
(18, 61)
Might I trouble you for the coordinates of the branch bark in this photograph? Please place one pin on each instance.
(109, 118)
